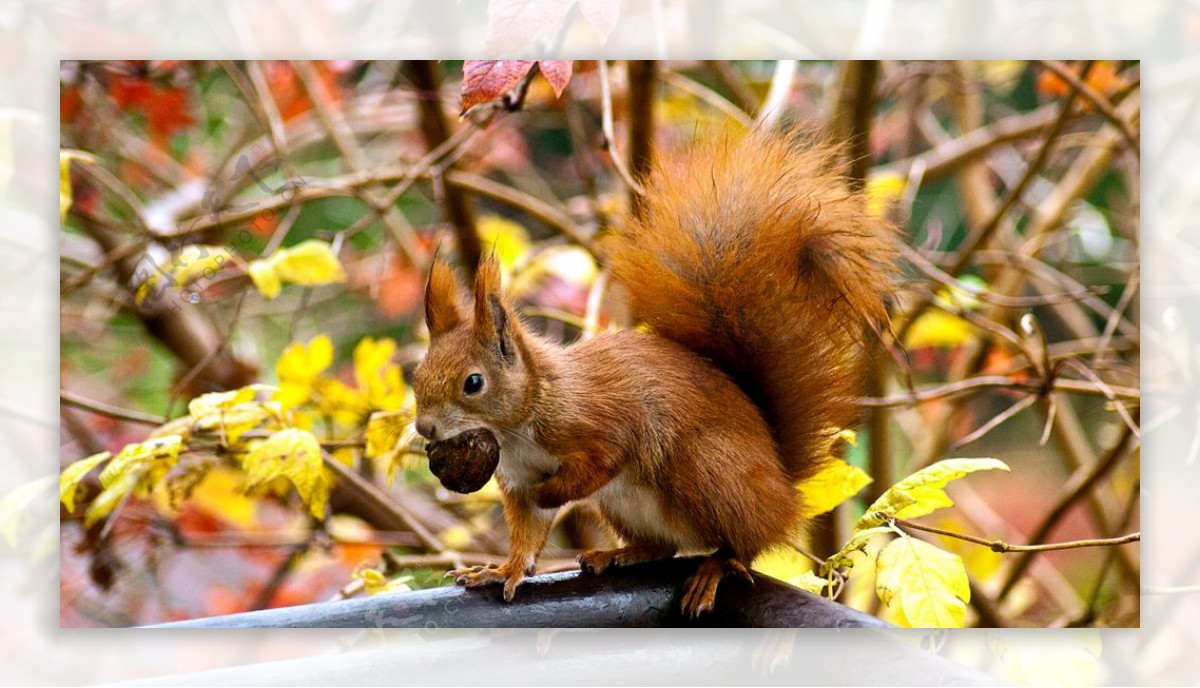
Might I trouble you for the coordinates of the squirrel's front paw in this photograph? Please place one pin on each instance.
(479, 576)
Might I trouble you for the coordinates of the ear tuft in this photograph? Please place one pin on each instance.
(443, 303)
(492, 323)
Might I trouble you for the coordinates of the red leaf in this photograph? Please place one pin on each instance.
(602, 15)
(519, 24)
(289, 94)
(130, 91)
(168, 112)
(69, 101)
(557, 72)
(400, 291)
(487, 80)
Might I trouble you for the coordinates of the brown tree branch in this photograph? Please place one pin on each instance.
(436, 131)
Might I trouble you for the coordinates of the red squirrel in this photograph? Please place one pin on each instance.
(761, 277)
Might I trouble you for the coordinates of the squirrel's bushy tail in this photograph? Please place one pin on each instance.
(755, 253)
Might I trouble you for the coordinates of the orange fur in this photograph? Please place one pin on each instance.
(762, 278)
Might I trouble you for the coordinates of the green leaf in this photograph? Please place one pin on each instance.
(924, 491)
(928, 584)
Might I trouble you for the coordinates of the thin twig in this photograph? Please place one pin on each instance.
(1097, 99)
(608, 141)
(739, 93)
(707, 95)
(995, 421)
(352, 153)
(1003, 547)
(1077, 487)
(972, 384)
(100, 408)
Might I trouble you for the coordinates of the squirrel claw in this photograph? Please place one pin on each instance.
(595, 561)
(700, 591)
(479, 576)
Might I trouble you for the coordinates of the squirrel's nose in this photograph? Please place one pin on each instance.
(426, 428)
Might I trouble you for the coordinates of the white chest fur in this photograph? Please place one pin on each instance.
(523, 461)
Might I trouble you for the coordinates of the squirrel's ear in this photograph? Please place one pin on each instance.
(443, 311)
(492, 324)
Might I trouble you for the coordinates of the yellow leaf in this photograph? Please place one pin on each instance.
(374, 582)
(181, 426)
(215, 402)
(857, 543)
(388, 433)
(938, 329)
(508, 239)
(384, 430)
(942, 327)
(155, 455)
(222, 494)
(137, 467)
(185, 269)
(345, 405)
(923, 491)
(345, 456)
(266, 280)
(233, 421)
(17, 502)
(835, 483)
(72, 476)
(65, 194)
(1001, 75)
(883, 189)
(108, 499)
(298, 367)
(310, 263)
(378, 377)
(295, 455)
(848, 436)
(929, 584)
(809, 581)
(456, 537)
(782, 563)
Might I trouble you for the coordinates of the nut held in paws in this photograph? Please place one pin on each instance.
(465, 462)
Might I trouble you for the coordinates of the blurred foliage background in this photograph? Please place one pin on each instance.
(228, 223)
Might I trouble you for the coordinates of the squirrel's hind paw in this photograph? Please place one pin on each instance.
(700, 591)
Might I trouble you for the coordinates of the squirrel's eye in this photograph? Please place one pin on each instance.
(473, 384)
